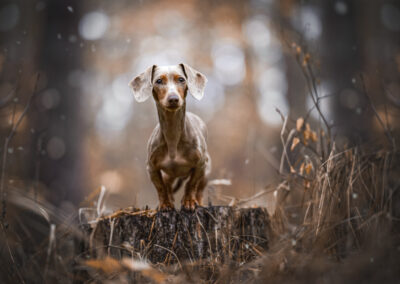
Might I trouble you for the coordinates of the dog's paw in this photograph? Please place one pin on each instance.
(166, 206)
(189, 204)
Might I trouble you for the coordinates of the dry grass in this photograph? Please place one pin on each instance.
(337, 220)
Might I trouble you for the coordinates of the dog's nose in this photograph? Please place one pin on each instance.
(173, 99)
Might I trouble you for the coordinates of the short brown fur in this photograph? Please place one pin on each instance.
(177, 149)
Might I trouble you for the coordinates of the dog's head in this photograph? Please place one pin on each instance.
(169, 85)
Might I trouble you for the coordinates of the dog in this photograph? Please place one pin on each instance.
(177, 149)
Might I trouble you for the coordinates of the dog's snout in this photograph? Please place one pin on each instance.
(173, 99)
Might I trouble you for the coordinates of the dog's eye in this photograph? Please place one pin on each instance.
(181, 79)
(159, 81)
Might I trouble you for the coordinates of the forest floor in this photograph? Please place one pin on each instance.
(337, 220)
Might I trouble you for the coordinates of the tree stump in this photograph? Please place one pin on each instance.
(216, 233)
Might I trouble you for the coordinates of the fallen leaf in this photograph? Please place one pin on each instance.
(135, 265)
(108, 265)
(155, 275)
(145, 269)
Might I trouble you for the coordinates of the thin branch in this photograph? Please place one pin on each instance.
(384, 126)
(5, 148)
(11, 253)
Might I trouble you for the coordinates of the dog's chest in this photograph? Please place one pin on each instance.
(177, 166)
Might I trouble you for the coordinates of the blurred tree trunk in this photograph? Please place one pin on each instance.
(18, 67)
(60, 128)
(340, 65)
(381, 66)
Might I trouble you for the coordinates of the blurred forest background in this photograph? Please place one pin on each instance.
(83, 128)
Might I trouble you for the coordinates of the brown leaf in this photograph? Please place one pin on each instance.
(308, 127)
(306, 136)
(308, 168)
(108, 265)
(299, 123)
(314, 137)
(294, 143)
(135, 265)
(155, 275)
(145, 269)
(301, 170)
(307, 133)
(306, 59)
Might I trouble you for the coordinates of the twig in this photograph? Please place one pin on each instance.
(180, 265)
(310, 78)
(100, 201)
(385, 128)
(112, 223)
(205, 232)
(5, 149)
(312, 87)
(52, 240)
(11, 253)
(284, 153)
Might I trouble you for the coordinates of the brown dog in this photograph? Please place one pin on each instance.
(177, 149)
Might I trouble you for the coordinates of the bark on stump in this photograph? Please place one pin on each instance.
(217, 233)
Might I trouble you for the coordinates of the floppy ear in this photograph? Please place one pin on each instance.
(195, 80)
(142, 86)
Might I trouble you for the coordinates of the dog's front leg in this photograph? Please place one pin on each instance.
(163, 193)
(168, 182)
(189, 201)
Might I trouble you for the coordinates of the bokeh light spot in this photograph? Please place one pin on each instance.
(112, 180)
(349, 98)
(341, 7)
(55, 148)
(390, 17)
(257, 33)
(268, 102)
(9, 16)
(229, 63)
(50, 98)
(93, 25)
(307, 21)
